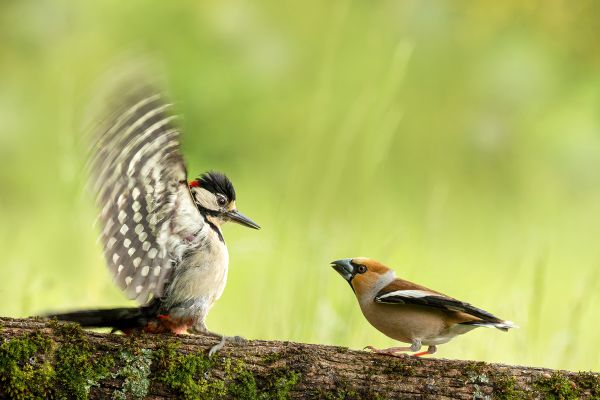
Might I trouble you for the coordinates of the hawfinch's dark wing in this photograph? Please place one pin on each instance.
(404, 292)
(139, 179)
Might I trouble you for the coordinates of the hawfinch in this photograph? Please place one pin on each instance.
(409, 312)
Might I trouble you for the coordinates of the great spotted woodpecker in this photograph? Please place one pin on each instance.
(161, 234)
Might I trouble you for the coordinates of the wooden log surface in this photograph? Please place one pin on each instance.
(47, 359)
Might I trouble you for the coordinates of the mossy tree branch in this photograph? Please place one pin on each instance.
(46, 359)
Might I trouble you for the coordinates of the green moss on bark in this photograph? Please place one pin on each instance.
(561, 386)
(77, 366)
(26, 368)
(66, 365)
(188, 375)
(272, 357)
(505, 387)
(243, 384)
(589, 383)
(135, 373)
(34, 366)
(195, 376)
(557, 387)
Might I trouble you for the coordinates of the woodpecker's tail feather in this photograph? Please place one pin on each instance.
(121, 319)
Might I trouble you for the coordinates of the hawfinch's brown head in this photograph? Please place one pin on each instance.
(361, 273)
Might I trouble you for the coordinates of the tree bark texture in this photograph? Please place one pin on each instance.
(48, 359)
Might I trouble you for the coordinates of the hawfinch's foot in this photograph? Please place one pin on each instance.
(398, 351)
(392, 351)
(430, 350)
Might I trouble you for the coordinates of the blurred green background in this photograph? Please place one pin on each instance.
(458, 142)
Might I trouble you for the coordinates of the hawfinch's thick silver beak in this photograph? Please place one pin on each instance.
(344, 267)
(241, 219)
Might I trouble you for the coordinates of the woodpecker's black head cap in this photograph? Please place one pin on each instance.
(214, 195)
(217, 182)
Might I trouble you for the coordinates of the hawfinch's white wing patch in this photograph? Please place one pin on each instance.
(434, 300)
(404, 293)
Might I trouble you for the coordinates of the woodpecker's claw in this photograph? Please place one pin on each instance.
(217, 347)
(234, 339)
(201, 330)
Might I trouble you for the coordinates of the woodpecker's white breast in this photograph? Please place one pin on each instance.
(200, 278)
(208, 272)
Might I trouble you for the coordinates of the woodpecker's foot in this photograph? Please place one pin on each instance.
(201, 329)
(165, 323)
(237, 339)
(233, 339)
(213, 350)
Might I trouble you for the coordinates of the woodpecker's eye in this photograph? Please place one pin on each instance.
(221, 200)
(362, 269)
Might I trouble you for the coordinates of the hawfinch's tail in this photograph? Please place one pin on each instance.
(502, 325)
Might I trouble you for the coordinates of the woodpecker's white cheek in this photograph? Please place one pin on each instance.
(205, 199)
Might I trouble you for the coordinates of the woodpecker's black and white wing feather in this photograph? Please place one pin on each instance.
(140, 182)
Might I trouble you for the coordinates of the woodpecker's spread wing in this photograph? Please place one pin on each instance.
(404, 292)
(140, 182)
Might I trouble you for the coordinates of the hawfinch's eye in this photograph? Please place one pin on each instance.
(221, 201)
(362, 269)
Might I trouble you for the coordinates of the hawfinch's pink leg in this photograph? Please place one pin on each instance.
(393, 351)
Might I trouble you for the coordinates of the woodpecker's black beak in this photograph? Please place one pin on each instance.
(241, 219)
(345, 268)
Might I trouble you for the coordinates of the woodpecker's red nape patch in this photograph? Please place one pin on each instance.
(194, 184)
